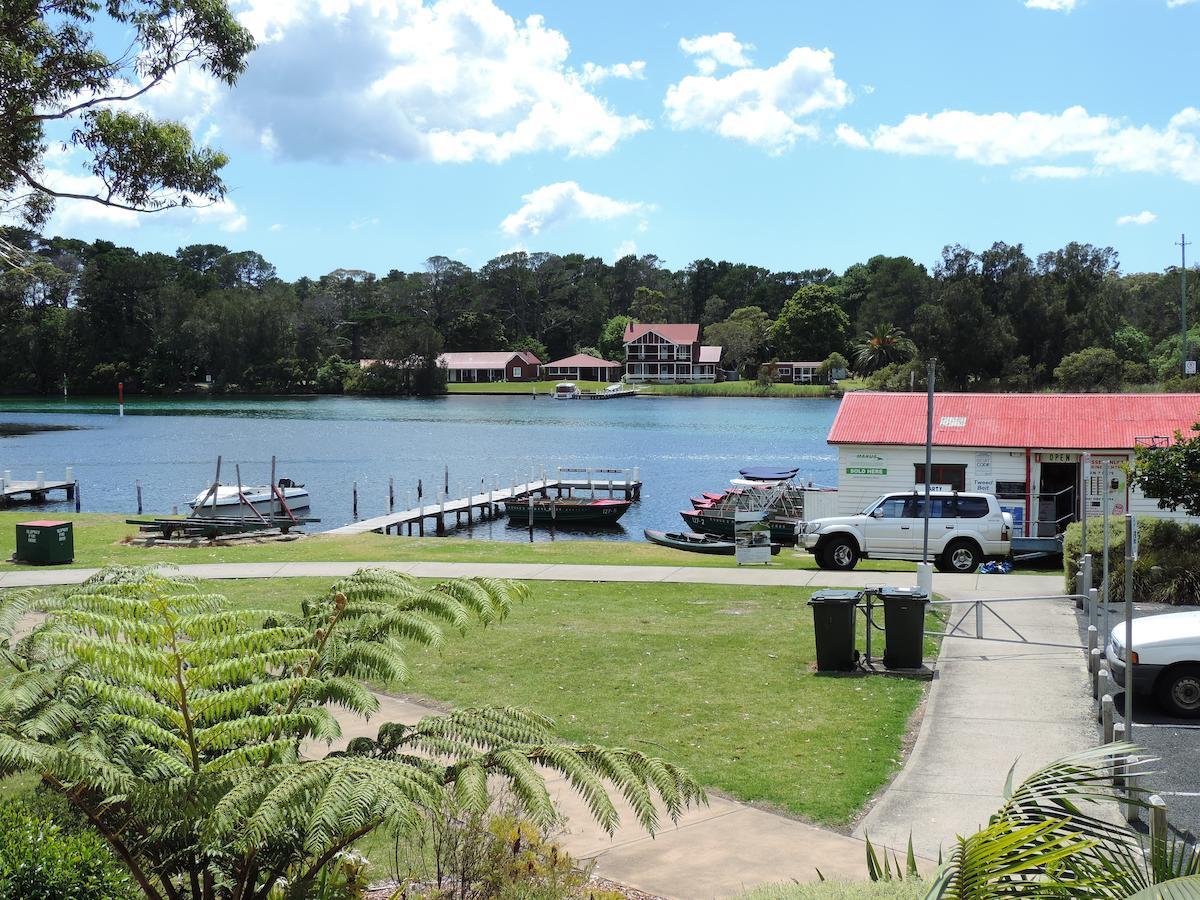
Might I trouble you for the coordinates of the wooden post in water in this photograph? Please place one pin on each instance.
(138, 486)
(441, 518)
(354, 498)
(274, 487)
(421, 513)
(530, 507)
(391, 495)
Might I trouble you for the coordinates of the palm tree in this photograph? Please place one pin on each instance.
(882, 345)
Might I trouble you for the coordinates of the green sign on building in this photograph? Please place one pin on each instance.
(865, 470)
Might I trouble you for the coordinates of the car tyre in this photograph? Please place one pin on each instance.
(1179, 691)
(960, 557)
(841, 553)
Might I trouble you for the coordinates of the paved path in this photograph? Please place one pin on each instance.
(988, 705)
(991, 704)
(948, 585)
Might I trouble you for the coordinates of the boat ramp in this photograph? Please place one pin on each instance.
(487, 503)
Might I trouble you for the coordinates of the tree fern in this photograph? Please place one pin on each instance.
(174, 723)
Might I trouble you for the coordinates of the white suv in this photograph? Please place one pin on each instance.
(964, 530)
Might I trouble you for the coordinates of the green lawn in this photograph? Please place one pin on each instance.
(724, 389)
(98, 542)
(716, 678)
(520, 387)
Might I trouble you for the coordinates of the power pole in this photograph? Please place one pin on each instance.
(1183, 337)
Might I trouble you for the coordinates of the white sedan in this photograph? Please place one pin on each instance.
(1166, 660)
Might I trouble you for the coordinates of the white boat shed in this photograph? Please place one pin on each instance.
(1027, 449)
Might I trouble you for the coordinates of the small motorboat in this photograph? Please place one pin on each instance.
(566, 390)
(568, 510)
(722, 524)
(228, 498)
(697, 543)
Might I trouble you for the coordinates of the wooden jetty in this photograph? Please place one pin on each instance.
(13, 491)
(489, 504)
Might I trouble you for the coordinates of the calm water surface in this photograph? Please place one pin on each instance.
(683, 446)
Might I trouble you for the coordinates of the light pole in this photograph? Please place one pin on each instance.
(1183, 336)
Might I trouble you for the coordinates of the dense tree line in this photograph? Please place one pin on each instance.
(98, 313)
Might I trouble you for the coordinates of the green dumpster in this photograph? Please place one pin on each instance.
(45, 542)
(903, 626)
(833, 629)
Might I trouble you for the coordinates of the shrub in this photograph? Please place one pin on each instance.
(1096, 368)
(1167, 569)
(41, 861)
(907, 889)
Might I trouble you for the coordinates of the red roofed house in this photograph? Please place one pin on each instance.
(670, 354)
(473, 366)
(583, 367)
(1027, 449)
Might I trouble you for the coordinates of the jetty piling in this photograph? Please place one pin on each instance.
(489, 502)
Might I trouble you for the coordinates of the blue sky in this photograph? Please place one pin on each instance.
(374, 133)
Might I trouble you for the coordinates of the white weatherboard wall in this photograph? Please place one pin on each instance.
(867, 471)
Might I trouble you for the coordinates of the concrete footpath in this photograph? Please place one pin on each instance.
(989, 705)
(949, 585)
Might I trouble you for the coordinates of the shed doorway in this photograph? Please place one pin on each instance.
(1058, 487)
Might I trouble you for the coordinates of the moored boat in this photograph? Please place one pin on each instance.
(696, 543)
(569, 510)
(704, 521)
(566, 390)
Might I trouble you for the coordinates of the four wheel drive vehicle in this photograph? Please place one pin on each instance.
(964, 530)
(1166, 660)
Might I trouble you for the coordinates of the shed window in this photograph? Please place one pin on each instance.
(516, 371)
(952, 474)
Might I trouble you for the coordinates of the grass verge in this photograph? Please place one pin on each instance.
(98, 542)
(715, 678)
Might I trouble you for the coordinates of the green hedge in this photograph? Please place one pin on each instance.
(1168, 565)
(40, 860)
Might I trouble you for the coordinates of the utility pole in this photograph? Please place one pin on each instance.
(1183, 338)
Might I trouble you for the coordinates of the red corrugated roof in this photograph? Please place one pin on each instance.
(582, 360)
(676, 334)
(1042, 421)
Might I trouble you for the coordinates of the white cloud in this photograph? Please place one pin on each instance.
(625, 248)
(445, 80)
(1145, 217)
(276, 227)
(630, 71)
(762, 107)
(712, 50)
(851, 137)
(561, 202)
(364, 222)
(1055, 5)
(1065, 172)
(1171, 4)
(1105, 143)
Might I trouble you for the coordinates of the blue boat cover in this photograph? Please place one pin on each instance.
(766, 473)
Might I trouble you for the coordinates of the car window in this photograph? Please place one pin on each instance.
(940, 507)
(972, 507)
(892, 508)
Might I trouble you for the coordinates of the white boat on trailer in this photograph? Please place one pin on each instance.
(230, 497)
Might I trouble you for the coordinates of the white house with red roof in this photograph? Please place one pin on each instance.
(583, 367)
(1027, 449)
(669, 354)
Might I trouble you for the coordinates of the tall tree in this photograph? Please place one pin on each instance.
(811, 325)
(55, 76)
(742, 337)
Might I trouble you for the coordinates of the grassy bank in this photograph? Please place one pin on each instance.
(716, 678)
(737, 389)
(99, 541)
(724, 389)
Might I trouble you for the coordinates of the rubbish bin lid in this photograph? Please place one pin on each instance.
(834, 596)
(44, 523)
(899, 593)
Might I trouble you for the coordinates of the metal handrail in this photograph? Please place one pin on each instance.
(979, 605)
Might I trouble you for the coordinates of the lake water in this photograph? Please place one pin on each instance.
(682, 445)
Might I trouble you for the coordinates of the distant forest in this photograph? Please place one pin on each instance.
(98, 313)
